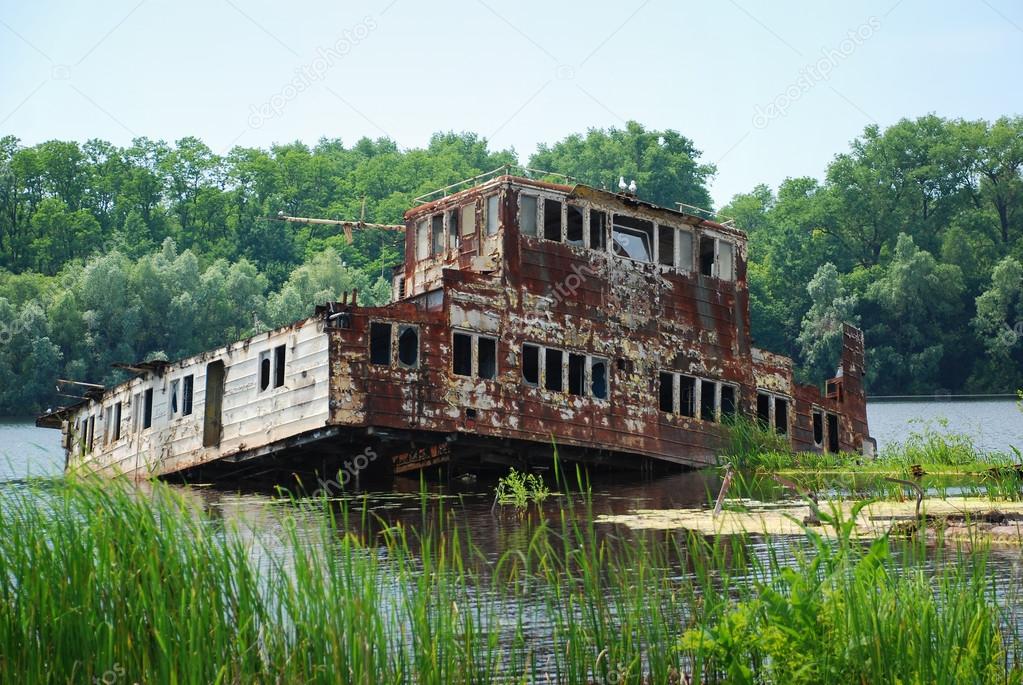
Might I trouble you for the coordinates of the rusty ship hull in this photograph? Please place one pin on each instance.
(526, 315)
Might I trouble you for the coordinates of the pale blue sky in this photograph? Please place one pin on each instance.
(253, 72)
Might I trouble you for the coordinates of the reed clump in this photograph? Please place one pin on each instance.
(108, 581)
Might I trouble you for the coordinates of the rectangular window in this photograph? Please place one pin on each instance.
(187, 384)
(265, 370)
(108, 425)
(486, 354)
(380, 344)
(147, 409)
(833, 437)
(708, 410)
(818, 428)
(172, 406)
(598, 229)
(136, 412)
(576, 374)
(531, 364)
(493, 202)
(666, 245)
(685, 250)
(666, 392)
(781, 415)
(574, 226)
(633, 238)
(553, 363)
(117, 421)
(687, 396)
(706, 256)
(468, 222)
(728, 405)
(453, 229)
(437, 223)
(92, 431)
(764, 408)
(280, 353)
(527, 214)
(422, 240)
(598, 378)
(552, 220)
(726, 261)
(461, 361)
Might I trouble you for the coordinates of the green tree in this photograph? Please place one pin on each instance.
(663, 163)
(820, 338)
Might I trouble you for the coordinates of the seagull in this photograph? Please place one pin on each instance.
(621, 184)
(632, 187)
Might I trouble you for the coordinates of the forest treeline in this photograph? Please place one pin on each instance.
(112, 254)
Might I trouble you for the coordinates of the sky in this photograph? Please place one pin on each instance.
(765, 90)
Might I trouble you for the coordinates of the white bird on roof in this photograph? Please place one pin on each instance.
(632, 186)
(621, 184)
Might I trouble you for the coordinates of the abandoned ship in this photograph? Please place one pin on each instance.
(526, 314)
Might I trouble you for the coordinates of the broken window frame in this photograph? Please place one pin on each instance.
(136, 412)
(527, 198)
(474, 354)
(590, 361)
(576, 375)
(438, 235)
(833, 432)
(817, 426)
(631, 233)
(422, 240)
(601, 230)
(716, 269)
(265, 371)
(453, 231)
(539, 364)
(772, 420)
(683, 261)
(280, 356)
(396, 341)
(108, 423)
(493, 214)
(693, 406)
(467, 222)
(147, 409)
(118, 408)
(671, 232)
(573, 210)
(374, 347)
(187, 394)
(172, 398)
(556, 214)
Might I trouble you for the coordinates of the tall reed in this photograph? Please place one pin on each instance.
(105, 581)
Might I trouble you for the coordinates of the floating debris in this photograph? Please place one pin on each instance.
(960, 518)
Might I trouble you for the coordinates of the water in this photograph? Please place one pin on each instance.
(994, 425)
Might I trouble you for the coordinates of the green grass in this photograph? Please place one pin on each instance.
(754, 447)
(100, 580)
